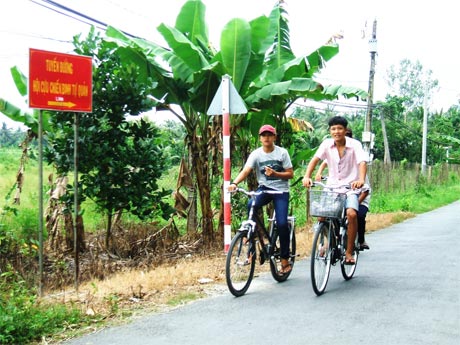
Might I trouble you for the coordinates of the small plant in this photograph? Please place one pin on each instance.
(113, 302)
(24, 318)
(183, 298)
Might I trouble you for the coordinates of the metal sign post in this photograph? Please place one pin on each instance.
(225, 102)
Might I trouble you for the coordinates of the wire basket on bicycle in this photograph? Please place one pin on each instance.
(324, 203)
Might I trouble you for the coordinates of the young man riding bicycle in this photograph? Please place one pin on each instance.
(273, 169)
(347, 164)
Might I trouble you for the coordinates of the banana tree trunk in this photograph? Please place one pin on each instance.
(201, 171)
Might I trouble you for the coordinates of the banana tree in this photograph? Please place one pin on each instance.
(257, 56)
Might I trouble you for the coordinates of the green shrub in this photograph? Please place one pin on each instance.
(23, 318)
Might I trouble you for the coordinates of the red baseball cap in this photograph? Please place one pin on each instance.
(267, 128)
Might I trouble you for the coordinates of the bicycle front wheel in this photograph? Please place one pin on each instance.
(240, 264)
(321, 257)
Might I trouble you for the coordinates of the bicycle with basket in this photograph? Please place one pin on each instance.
(254, 238)
(330, 235)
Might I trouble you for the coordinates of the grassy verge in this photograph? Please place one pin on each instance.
(418, 200)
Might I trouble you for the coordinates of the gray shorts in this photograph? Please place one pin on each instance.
(352, 202)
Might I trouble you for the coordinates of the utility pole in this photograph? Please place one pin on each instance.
(368, 136)
(425, 128)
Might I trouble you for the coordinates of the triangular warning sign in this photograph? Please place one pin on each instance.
(236, 103)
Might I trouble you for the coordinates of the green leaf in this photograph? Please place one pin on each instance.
(279, 32)
(259, 35)
(317, 59)
(183, 47)
(16, 114)
(191, 21)
(20, 80)
(235, 45)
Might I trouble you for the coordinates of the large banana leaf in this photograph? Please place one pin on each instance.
(260, 39)
(183, 48)
(191, 21)
(20, 80)
(17, 114)
(235, 44)
(151, 58)
(279, 34)
(296, 87)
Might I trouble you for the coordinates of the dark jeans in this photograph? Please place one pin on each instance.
(281, 204)
(362, 222)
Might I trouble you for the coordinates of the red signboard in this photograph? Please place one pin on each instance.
(60, 81)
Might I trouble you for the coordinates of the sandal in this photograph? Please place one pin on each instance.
(350, 261)
(286, 267)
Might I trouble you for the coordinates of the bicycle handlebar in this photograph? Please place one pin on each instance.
(253, 193)
(317, 183)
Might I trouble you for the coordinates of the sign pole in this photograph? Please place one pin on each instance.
(227, 101)
(226, 157)
(40, 202)
(76, 246)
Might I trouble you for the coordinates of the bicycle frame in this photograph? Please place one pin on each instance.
(253, 234)
(256, 227)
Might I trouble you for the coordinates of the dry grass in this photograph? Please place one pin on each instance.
(177, 281)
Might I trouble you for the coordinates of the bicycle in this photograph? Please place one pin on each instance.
(330, 239)
(250, 239)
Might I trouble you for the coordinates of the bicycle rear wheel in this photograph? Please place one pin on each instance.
(240, 264)
(349, 270)
(321, 257)
(275, 257)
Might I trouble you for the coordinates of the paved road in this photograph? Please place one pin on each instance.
(406, 290)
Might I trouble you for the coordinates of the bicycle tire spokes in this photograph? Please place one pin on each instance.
(240, 264)
(321, 258)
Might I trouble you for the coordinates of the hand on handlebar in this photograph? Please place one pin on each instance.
(357, 184)
(307, 182)
(232, 188)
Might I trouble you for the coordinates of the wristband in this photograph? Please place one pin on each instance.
(236, 184)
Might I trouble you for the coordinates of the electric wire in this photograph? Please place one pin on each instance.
(76, 15)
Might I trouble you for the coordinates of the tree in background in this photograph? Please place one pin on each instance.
(10, 137)
(119, 160)
(411, 82)
(258, 57)
(413, 86)
(256, 54)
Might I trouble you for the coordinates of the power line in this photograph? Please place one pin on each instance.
(76, 15)
(59, 11)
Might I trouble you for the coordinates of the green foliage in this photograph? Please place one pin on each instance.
(172, 133)
(10, 137)
(419, 197)
(122, 160)
(412, 81)
(24, 318)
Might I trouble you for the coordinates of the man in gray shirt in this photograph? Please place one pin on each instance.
(273, 169)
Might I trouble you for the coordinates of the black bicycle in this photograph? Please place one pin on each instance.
(253, 237)
(330, 239)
